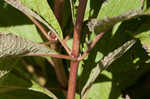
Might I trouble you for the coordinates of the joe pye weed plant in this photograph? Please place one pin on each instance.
(74, 49)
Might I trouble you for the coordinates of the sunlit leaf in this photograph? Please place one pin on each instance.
(17, 4)
(43, 9)
(112, 8)
(17, 23)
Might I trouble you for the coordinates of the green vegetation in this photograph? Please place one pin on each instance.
(74, 49)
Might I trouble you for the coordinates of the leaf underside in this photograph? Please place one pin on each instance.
(97, 26)
(13, 45)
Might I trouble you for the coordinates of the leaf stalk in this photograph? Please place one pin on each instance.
(98, 37)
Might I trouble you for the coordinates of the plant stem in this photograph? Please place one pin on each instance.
(53, 55)
(55, 45)
(76, 49)
(58, 9)
(98, 37)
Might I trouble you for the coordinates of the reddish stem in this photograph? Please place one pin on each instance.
(76, 49)
(142, 1)
(98, 37)
(72, 80)
(58, 63)
(54, 56)
(58, 9)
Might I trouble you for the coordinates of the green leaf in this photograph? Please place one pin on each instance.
(23, 94)
(43, 9)
(17, 23)
(18, 78)
(117, 79)
(13, 45)
(20, 25)
(104, 63)
(146, 6)
(103, 88)
(14, 81)
(92, 9)
(26, 31)
(113, 8)
(72, 11)
(38, 88)
(69, 43)
(132, 65)
(98, 26)
(18, 5)
(68, 18)
(6, 66)
(139, 28)
(143, 33)
(114, 11)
